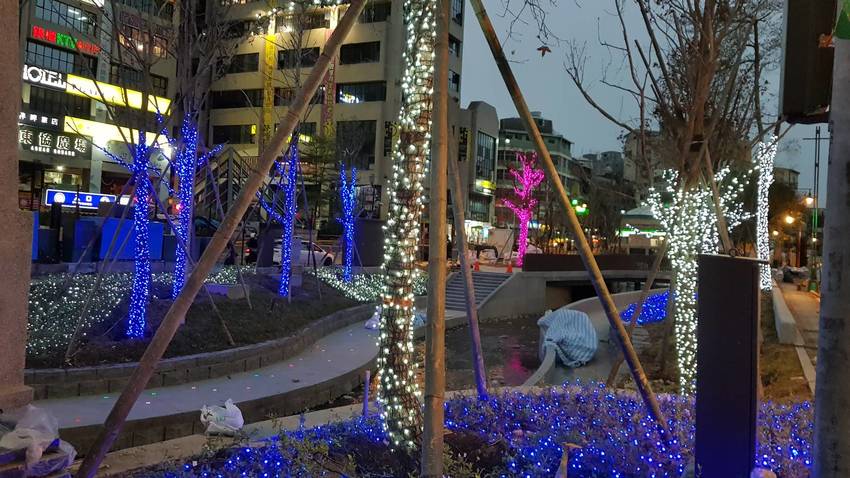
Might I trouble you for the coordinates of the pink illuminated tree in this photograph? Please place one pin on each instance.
(526, 181)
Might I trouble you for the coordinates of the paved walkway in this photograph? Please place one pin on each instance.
(805, 307)
(334, 355)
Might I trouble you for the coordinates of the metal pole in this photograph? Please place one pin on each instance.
(582, 245)
(469, 286)
(174, 317)
(435, 332)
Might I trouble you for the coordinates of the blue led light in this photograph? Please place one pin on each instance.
(614, 435)
(654, 310)
(349, 202)
(137, 316)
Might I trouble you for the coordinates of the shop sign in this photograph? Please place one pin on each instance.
(53, 143)
(44, 77)
(74, 199)
(64, 40)
(114, 95)
(484, 186)
(36, 119)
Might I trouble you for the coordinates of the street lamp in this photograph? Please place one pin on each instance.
(789, 219)
(809, 201)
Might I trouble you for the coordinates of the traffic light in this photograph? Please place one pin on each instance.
(806, 84)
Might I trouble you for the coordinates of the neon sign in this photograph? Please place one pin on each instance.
(50, 142)
(44, 77)
(64, 40)
(39, 119)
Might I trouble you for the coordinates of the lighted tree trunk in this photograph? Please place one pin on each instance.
(832, 396)
(524, 202)
(185, 165)
(137, 315)
(398, 392)
(348, 198)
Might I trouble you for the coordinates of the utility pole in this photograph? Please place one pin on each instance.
(832, 395)
(815, 199)
(435, 332)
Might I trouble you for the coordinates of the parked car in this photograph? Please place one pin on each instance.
(322, 257)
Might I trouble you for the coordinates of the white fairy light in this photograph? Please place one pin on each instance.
(764, 161)
(691, 224)
(398, 391)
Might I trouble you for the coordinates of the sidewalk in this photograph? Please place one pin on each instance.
(805, 307)
(332, 356)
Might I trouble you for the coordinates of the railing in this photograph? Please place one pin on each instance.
(572, 262)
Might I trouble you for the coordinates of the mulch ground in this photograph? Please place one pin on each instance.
(272, 317)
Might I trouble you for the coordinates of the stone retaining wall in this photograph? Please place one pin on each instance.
(73, 382)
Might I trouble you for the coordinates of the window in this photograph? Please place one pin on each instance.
(454, 82)
(368, 52)
(227, 3)
(60, 60)
(134, 79)
(162, 8)
(284, 96)
(134, 38)
(134, 118)
(298, 22)
(454, 46)
(485, 156)
(234, 133)
(375, 12)
(237, 98)
(66, 15)
(58, 103)
(238, 29)
(361, 92)
(355, 143)
(308, 128)
(479, 208)
(244, 63)
(305, 57)
(457, 11)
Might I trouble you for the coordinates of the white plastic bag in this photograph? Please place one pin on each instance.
(226, 420)
(374, 322)
(47, 467)
(35, 429)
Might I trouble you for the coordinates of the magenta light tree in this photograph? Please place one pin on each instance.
(523, 203)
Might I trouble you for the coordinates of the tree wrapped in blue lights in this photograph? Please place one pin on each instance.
(140, 293)
(349, 203)
(288, 171)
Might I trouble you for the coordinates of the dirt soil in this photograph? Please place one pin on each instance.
(271, 318)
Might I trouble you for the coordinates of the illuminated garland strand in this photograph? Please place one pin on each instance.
(691, 222)
(523, 207)
(288, 223)
(764, 161)
(398, 392)
(185, 166)
(137, 316)
(349, 202)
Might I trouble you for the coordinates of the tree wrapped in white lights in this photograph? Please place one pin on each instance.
(398, 391)
(764, 162)
(690, 219)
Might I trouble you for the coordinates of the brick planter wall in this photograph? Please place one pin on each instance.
(73, 382)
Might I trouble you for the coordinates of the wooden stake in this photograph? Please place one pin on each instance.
(469, 286)
(584, 250)
(435, 332)
(177, 312)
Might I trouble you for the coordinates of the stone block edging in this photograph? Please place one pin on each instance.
(82, 381)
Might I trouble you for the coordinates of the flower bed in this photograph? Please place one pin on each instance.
(520, 434)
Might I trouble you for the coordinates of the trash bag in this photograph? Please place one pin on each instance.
(374, 322)
(35, 429)
(571, 334)
(46, 467)
(226, 420)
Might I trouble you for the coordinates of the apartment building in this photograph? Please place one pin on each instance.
(361, 94)
(70, 72)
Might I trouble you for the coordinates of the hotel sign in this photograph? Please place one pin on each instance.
(53, 143)
(64, 40)
(45, 77)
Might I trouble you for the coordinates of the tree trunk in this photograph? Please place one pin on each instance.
(469, 286)
(832, 395)
(168, 327)
(435, 334)
(397, 388)
(582, 245)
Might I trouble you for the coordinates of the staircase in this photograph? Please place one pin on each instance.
(229, 172)
(485, 284)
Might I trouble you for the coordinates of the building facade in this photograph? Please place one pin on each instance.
(359, 101)
(77, 92)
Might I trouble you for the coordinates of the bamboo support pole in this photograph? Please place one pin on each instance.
(584, 250)
(177, 312)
